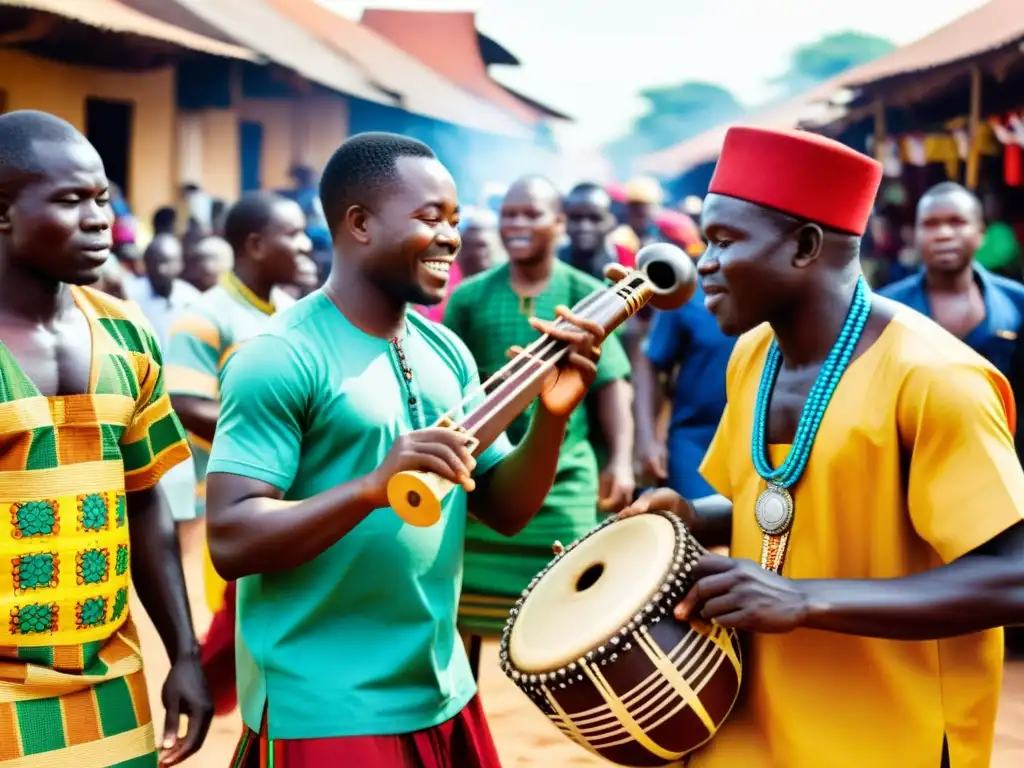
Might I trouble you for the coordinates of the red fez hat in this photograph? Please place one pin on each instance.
(799, 173)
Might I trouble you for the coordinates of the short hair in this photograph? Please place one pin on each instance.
(541, 180)
(20, 131)
(156, 244)
(165, 220)
(588, 188)
(249, 216)
(362, 169)
(944, 188)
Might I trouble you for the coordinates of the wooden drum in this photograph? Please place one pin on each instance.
(593, 643)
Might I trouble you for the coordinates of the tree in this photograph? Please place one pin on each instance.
(674, 113)
(831, 55)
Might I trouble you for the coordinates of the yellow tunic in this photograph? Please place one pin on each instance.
(72, 691)
(914, 467)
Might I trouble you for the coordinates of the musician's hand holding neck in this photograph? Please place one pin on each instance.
(507, 497)
(568, 383)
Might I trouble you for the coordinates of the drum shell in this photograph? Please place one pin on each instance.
(648, 696)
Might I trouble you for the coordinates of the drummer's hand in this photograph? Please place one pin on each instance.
(663, 500)
(742, 595)
(616, 486)
(569, 382)
(440, 450)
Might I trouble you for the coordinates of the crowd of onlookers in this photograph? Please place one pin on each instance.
(164, 263)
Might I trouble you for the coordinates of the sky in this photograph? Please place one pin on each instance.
(590, 63)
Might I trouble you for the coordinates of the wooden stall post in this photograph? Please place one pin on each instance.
(974, 131)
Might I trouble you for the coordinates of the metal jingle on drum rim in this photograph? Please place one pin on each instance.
(774, 510)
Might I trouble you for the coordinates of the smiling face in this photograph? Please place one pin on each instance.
(59, 223)
(949, 231)
(411, 237)
(749, 271)
(531, 221)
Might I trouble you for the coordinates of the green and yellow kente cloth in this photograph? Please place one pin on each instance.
(72, 690)
(489, 316)
(201, 341)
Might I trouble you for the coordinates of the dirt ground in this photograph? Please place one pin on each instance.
(525, 738)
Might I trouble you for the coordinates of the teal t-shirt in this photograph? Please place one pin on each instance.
(361, 640)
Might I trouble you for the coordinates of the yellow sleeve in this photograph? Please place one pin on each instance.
(965, 484)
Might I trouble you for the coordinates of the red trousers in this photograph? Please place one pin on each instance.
(462, 742)
(218, 655)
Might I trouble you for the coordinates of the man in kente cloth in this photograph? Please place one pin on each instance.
(86, 433)
(869, 485)
(493, 312)
(267, 234)
(348, 651)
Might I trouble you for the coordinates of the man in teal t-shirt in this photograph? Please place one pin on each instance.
(348, 652)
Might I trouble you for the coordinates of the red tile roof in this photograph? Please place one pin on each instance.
(422, 90)
(458, 58)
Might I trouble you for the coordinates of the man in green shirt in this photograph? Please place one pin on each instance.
(348, 652)
(494, 311)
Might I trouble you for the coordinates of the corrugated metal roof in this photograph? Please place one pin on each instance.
(115, 17)
(179, 16)
(257, 25)
(422, 90)
(996, 24)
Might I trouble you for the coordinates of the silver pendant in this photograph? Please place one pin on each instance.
(774, 510)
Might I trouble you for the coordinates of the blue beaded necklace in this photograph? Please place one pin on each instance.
(775, 506)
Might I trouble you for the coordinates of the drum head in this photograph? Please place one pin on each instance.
(591, 593)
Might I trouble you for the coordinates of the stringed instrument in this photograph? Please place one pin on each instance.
(665, 277)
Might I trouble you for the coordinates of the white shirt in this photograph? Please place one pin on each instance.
(161, 311)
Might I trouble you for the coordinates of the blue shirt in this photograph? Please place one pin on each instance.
(689, 340)
(361, 640)
(995, 338)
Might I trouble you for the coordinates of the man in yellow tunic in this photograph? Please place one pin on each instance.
(869, 486)
(86, 432)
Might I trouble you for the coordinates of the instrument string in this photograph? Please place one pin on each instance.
(506, 372)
